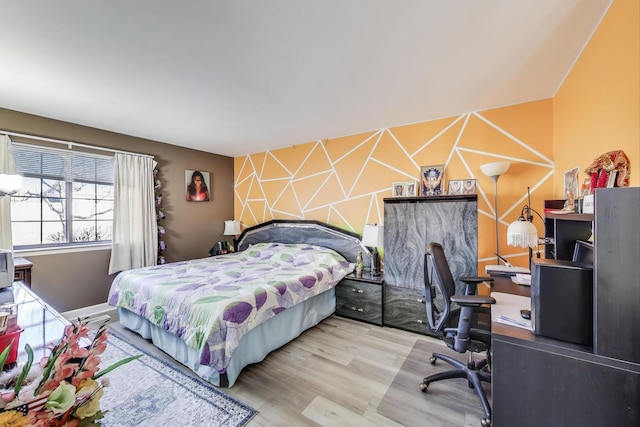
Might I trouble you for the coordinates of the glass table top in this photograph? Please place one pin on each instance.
(42, 325)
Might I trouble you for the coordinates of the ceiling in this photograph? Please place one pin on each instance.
(238, 77)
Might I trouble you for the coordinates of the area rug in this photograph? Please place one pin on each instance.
(446, 403)
(151, 392)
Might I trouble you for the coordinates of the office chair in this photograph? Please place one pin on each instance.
(457, 319)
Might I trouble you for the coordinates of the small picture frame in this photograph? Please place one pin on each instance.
(571, 184)
(432, 180)
(455, 187)
(586, 187)
(398, 189)
(469, 186)
(410, 189)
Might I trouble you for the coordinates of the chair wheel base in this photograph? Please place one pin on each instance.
(423, 387)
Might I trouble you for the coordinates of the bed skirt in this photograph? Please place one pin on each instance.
(253, 347)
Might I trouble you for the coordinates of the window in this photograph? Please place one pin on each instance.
(66, 197)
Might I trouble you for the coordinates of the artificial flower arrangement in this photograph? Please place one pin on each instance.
(62, 389)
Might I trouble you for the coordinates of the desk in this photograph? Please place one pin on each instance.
(505, 285)
(538, 381)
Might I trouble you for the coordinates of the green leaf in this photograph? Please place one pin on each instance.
(4, 354)
(210, 299)
(47, 370)
(25, 369)
(116, 365)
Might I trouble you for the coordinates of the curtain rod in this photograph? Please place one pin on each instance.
(71, 144)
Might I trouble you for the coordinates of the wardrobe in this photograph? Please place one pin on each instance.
(410, 224)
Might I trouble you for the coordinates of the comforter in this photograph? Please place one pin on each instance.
(210, 303)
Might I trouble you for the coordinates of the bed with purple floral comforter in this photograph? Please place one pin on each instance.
(211, 303)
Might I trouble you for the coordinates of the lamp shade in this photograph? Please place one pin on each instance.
(231, 227)
(522, 233)
(373, 235)
(495, 168)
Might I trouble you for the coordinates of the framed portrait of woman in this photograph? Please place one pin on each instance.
(197, 185)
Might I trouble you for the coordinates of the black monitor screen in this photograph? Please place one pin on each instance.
(583, 252)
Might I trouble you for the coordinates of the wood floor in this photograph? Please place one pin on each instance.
(337, 374)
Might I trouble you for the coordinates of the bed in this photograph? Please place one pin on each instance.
(217, 315)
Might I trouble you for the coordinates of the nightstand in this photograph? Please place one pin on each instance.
(220, 248)
(360, 298)
(22, 270)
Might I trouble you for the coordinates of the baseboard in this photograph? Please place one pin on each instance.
(92, 311)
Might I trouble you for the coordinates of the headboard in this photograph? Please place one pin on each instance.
(312, 232)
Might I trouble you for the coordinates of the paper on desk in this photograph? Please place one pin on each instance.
(521, 279)
(518, 323)
(507, 308)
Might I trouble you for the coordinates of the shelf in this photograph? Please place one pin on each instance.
(570, 216)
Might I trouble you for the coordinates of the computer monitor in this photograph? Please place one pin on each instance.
(583, 253)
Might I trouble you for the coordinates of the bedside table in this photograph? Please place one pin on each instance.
(22, 270)
(360, 298)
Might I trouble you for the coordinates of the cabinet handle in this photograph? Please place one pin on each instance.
(357, 291)
(357, 309)
(421, 301)
(420, 321)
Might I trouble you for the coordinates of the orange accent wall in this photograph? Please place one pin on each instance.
(343, 181)
(597, 109)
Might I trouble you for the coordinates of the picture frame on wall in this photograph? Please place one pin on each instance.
(432, 180)
(410, 189)
(397, 189)
(197, 184)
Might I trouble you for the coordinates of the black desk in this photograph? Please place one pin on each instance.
(537, 381)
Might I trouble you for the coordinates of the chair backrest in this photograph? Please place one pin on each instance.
(439, 287)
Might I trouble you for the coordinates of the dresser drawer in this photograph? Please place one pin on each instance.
(405, 309)
(19, 275)
(359, 300)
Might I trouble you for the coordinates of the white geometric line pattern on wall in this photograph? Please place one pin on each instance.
(324, 182)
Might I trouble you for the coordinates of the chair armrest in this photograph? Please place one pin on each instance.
(472, 283)
(472, 300)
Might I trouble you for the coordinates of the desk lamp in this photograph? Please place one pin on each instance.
(495, 170)
(373, 236)
(522, 232)
(232, 228)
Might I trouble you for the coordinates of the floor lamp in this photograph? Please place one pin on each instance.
(494, 170)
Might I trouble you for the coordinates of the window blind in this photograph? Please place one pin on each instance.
(67, 165)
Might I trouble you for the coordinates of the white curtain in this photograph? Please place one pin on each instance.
(135, 234)
(7, 166)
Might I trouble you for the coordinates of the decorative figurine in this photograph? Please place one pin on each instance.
(359, 265)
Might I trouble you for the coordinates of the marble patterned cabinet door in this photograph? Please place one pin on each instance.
(410, 224)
